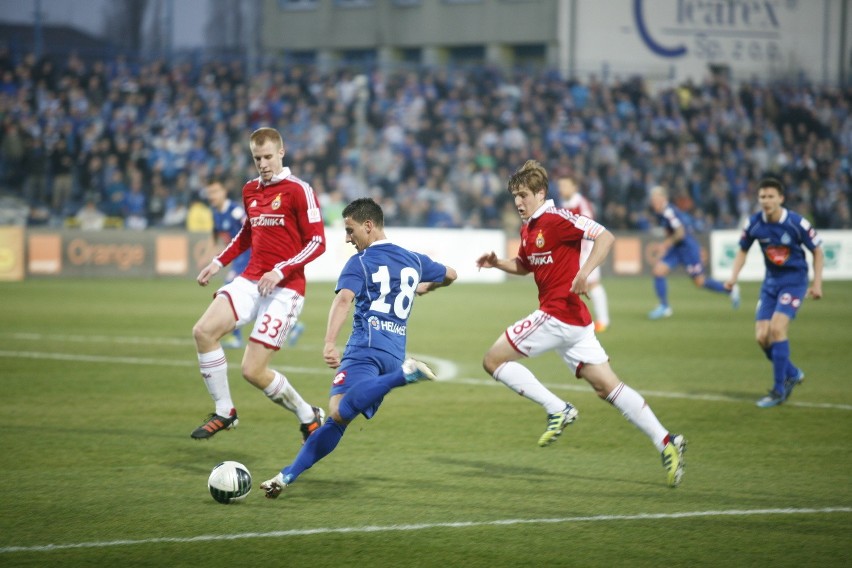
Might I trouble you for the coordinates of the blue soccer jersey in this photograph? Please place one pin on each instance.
(384, 278)
(226, 224)
(781, 244)
(687, 251)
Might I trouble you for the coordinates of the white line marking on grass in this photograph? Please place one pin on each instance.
(424, 526)
(446, 370)
(99, 339)
(133, 360)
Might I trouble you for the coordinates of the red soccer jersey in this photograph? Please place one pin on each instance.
(550, 249)
(283, 228)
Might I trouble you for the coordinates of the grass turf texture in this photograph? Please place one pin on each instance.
(101, 389)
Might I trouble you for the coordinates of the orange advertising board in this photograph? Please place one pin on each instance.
(172, 254)
(45, 253)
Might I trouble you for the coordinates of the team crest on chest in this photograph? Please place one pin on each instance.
(539, 240)
(276, 203)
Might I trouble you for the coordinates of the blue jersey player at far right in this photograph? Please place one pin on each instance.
(381, 280)
(781, 234)
(681, 248)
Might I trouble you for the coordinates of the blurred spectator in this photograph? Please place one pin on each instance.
(61, 175)
(114, 192)
(34, 170)
(89, 217)
(199, 218)
(135, 205)
(12, 155)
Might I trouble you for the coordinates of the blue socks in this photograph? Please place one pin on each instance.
(791, 370)
(662, 289)
(715, 286)
(317, 446)
(780, 362)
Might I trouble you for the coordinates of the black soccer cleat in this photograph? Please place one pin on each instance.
(215, 423)
(313, 425)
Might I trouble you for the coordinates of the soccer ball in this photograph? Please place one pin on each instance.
(229, 482)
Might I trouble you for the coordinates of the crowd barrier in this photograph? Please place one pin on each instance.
(57, 253)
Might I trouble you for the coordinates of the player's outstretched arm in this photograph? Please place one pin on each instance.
(426, 287)
(509, 265)
(207, 273)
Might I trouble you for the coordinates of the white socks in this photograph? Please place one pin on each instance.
(522, 381)
(281, 392)
(636, 410)
(214, 370)
(600, 304)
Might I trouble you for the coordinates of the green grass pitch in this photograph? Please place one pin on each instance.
(100, 390)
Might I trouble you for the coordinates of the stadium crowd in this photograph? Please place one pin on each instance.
(138, 142)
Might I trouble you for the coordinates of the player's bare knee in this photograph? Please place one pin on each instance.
(338, 419)
(490, 363)
(252, 372)
(201, 334)
(776, 335)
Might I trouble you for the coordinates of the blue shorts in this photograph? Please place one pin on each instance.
(688, 254)
(369, 364)
(784, 298)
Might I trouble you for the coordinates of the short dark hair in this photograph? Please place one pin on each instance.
(363, 209)
(772, 182)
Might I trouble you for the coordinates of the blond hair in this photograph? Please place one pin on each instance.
(265, 134)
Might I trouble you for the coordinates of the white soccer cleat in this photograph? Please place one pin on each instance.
(415, 370)
(272, 488)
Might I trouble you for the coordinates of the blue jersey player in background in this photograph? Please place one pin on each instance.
(781, 234)
(381, 280)
(681, 248)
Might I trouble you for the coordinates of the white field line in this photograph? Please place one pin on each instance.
(446, 370)
(424, 526)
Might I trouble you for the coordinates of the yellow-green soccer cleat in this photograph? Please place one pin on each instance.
(673, 459)
(556, 423)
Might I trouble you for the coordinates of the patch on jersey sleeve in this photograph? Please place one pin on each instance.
(314, 215)
(591, 229)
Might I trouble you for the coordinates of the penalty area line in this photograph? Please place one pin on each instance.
(425, 526)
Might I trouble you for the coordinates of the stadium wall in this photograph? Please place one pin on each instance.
(44, 253)
(662, 40)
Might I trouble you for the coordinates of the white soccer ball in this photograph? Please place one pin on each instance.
(229, 482)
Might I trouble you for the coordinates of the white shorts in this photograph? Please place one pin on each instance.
(539, 332)
(273, 315)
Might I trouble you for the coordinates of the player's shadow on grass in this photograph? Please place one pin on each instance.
(529, 474)
(496, 468)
